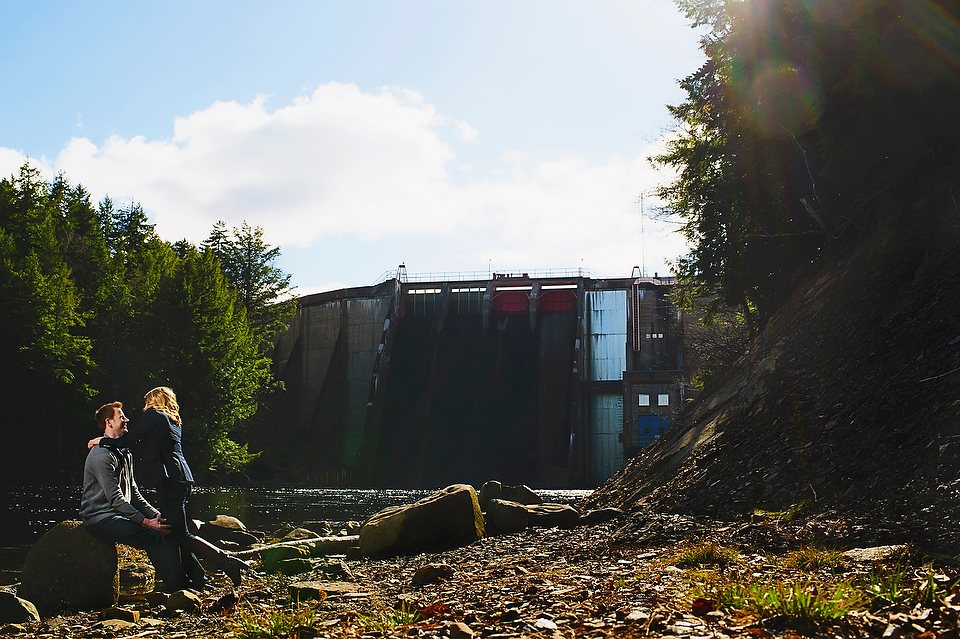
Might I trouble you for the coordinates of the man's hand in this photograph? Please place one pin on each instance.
(156, 524)
(93, 442)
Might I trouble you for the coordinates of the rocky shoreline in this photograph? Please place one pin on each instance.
(640, 575)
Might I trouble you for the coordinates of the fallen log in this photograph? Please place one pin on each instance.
(335, 545)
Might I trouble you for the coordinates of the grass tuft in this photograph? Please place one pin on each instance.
(803, 600)
(707, 554)
(384, 622)
(252, 622)
(810, 559)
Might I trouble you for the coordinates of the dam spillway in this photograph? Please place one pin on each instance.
(546, 381)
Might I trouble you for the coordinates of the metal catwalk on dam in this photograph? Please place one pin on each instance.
(551, 382)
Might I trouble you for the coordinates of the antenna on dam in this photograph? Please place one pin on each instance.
(643, 265)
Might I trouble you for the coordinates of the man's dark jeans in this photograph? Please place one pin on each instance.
(163, 554)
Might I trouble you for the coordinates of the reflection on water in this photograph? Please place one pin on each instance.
(30, 511)
(264, 509)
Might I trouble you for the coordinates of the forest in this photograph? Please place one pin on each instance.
(96, 307)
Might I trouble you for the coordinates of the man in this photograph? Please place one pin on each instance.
(112, 508)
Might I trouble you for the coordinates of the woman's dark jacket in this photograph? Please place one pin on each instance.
(155, 440)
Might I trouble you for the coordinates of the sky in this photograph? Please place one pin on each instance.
(455, 137)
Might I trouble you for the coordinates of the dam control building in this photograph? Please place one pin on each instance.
(550, 380)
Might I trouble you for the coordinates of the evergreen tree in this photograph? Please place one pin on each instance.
(263, 289)
(209, 356)
(804, 112)
(46, 358)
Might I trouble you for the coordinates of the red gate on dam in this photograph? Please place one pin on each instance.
(547, 381)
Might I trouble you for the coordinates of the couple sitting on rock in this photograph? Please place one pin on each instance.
(113, 510)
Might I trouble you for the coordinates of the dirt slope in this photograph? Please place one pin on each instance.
(849, 401)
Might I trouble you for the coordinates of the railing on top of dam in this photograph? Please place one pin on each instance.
(466, 276)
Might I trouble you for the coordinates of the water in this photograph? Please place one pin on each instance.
(30, 511)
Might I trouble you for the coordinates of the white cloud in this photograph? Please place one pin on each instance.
(467, 132)
(337, 161)
(11, 161)
(364, 167)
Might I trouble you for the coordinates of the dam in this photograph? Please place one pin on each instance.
(550, 380)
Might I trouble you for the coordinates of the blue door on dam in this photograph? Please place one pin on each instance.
(648, 429)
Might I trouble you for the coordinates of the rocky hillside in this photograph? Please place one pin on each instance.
(847, 402)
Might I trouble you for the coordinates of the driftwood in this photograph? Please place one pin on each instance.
(336, 545)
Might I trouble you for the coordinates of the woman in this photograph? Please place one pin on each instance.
(157, 437)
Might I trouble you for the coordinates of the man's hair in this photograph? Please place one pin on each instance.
(104, 413)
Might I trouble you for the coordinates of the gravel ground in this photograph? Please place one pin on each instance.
(623, 578)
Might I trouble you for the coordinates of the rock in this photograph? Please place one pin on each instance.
(299, 533)
(447, 519)
(522, 495)
(320, 590)
(14, 610)
(226, 530)
(228, 522)
(120, 613)
(69, 569)
(294, 566)
(225, 602)
(333, 545)
(12, 629)
(519, 494)
(136, 579)
(337, 571)
(431, 573)
(156, 598)
(458, 630)
(599, 516)
(353, 527)
(115, 625)
(304, 632)
(321, 528)
(553, 515)
(506, 516)
(185, 600)
(334, 570)
(637, 615)
(271, 557)
(876, 553)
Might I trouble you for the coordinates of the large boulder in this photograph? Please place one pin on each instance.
(553, 516)
(447, 519)
(271, 558)
(67, 569)
(519, 494)
(504, 516)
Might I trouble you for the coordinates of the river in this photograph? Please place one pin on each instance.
(30, 511)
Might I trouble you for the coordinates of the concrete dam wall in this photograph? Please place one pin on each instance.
(419, 385)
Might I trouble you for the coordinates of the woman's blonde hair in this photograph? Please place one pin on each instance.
(163, 399)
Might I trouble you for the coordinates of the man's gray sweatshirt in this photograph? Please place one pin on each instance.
(110, 489)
